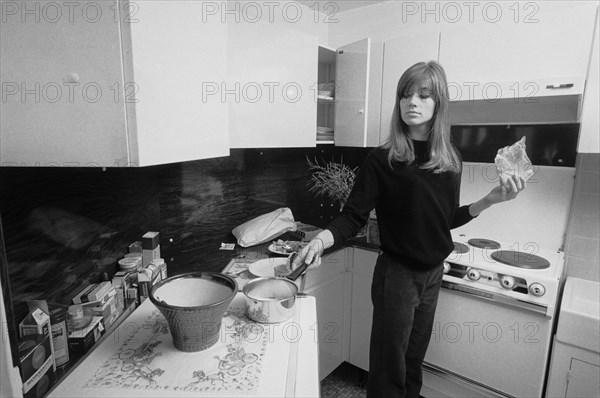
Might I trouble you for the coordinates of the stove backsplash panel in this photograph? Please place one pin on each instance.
(538, 216)
(547, 144)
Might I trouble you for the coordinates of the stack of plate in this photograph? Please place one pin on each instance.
(324, 134)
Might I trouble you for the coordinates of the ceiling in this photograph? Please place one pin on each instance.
(342, 5)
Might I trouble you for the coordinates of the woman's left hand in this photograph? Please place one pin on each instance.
(508, 189)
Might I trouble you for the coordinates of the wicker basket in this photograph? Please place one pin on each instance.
(193, 305)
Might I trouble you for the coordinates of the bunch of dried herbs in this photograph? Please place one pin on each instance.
(332, 179)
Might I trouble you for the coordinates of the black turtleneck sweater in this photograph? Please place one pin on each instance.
(416, 208)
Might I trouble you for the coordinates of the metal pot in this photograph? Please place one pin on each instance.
(270, 300)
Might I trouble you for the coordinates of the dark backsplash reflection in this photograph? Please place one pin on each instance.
(547, 144)
(65, 226)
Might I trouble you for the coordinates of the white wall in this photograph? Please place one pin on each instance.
(589, 139)
(285, 13)
(396, 18)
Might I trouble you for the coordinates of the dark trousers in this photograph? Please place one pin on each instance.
(404, 302)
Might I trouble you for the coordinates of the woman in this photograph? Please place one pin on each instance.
(413, 182)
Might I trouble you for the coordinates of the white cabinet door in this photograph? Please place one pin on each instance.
(272, 86)
(362, 307)
(330, 324)
(61, 80)
(583, 380)
(400, 54)
(515, 60)
(111, 84)
(179, 60)
(352, 86)
(330, 285)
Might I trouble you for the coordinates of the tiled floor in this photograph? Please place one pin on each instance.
(347, 381)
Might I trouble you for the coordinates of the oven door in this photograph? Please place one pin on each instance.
(486, 346)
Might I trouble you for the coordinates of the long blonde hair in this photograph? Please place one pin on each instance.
(442, 155)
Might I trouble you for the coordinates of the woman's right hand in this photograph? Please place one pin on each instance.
(311, 253)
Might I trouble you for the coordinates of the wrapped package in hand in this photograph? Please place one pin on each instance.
(512, 160)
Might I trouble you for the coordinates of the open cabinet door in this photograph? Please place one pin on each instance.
(352, 86)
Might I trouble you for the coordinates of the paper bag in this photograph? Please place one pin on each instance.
(265, 227)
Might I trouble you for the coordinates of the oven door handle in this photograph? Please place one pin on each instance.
(498, 298)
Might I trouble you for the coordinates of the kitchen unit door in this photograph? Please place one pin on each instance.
(103, 84)
(482, 343)
(534, 53)
(400, 54)
(363, 266)
(272, 85)
(330, 285)
(357, 94)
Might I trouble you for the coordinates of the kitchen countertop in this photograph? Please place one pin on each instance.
(75, 383)
(215, 260)
(139, 360)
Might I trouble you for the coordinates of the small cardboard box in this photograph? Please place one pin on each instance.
(37, 365)
(150, 247)
(80, 341)
(150, 276)
(37, 322)
(110, 310)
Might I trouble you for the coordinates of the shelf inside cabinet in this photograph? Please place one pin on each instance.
(326, 96)
(327, 100)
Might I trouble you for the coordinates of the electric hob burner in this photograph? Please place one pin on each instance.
(460, 248)
(482, 243)
(520, 259)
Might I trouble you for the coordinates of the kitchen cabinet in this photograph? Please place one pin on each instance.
(330, 285)
(111, 83)
(363, 266)
(575, 364)
(547, 57)
(357, 94)
(271, 88)
(400, 54)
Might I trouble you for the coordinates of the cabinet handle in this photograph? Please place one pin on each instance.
(565, 85)
(73, 78)
(361, 111)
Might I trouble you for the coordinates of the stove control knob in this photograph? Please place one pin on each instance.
(446, 267)
(537, 289)
(507, 282)
(473, 274)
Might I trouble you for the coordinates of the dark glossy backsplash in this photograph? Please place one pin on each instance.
(547, 144)
(65, 226)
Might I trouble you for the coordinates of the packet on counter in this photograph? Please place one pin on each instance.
(512, 160)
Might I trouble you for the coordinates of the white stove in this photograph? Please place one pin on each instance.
(506, 271)
(494, 323)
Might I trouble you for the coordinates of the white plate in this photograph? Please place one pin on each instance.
(266, 267)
